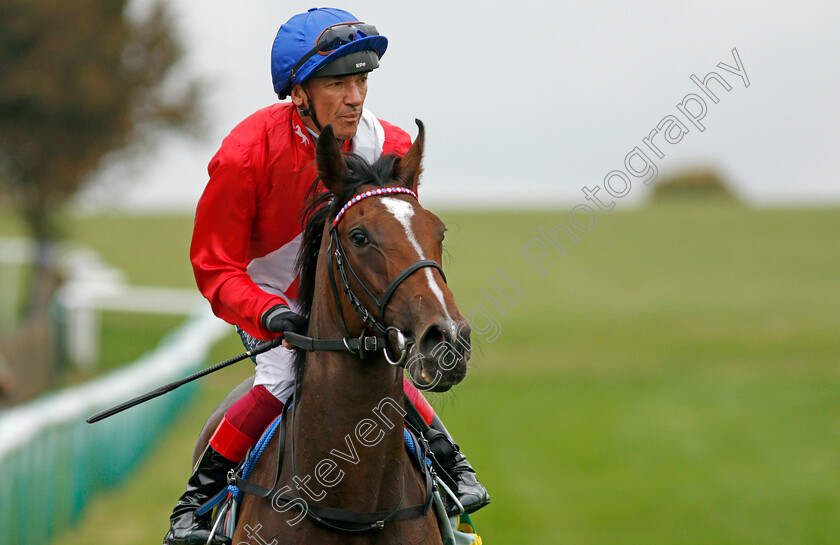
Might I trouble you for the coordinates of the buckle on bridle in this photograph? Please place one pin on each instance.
(366, 345)
(371, 344)
(365, 349)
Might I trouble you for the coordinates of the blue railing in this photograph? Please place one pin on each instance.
(53, 462)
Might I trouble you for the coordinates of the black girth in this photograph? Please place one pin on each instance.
(341, 520)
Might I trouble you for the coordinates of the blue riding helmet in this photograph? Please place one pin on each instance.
(309, 42)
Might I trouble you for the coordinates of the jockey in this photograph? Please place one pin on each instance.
(247, 235)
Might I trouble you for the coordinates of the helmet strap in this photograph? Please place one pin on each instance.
(310, 111)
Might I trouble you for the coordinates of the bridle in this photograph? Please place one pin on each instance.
(341, 519)
(363, 345)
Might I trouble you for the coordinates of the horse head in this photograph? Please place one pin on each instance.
(392, 248)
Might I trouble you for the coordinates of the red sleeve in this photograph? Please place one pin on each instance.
(221, 237)
(419, 402)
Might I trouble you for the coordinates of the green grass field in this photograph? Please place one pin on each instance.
(672, 380)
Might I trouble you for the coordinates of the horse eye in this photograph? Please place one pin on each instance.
(358, 238)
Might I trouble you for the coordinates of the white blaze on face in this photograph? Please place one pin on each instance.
(403, 212)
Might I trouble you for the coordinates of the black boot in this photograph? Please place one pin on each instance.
(208, 479)
(472, 495)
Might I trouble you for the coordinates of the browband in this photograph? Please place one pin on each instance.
(371, 193)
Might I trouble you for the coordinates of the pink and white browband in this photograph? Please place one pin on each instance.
(371, 193)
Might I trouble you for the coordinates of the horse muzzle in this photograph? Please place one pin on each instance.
(439, 359)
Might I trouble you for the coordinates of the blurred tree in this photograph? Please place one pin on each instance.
(78, 79)
(692, 185)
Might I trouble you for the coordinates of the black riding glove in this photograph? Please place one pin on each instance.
(280, 318)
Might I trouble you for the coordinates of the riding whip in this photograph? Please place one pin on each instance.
(259, 349)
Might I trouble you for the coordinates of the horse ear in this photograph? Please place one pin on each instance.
(331, 166)
(410, 167)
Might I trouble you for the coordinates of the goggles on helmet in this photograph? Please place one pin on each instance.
(334, 37)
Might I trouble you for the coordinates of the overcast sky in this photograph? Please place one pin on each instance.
(527, 102)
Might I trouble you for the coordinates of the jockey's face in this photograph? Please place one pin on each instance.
(336, 100)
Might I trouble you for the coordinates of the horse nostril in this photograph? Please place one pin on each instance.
(431, 339)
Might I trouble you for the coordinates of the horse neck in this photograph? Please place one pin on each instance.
(348, 405)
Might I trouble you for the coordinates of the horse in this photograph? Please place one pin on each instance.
(344, 448)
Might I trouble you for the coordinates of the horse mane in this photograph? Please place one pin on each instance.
(321, 206)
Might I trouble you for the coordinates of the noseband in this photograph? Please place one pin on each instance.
(363, 345)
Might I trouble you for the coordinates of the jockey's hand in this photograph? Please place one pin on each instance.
(280, 318)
